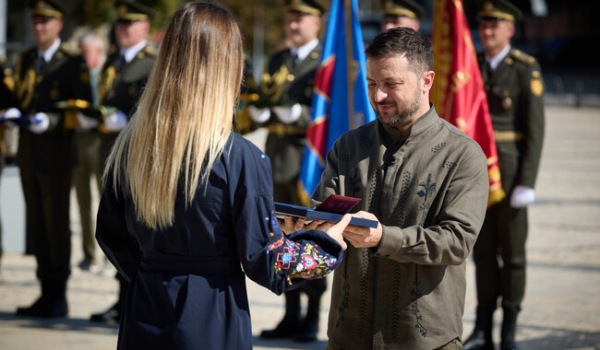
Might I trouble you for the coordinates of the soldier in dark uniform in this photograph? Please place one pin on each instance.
(122, 78)
(513, 82)
(286, 91)
(6, 101)
(46, 75)
(401, 13)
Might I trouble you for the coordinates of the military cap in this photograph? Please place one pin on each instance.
(311, 7)
(499, 10)
(406, 8)
(47, 8)
(131, 11)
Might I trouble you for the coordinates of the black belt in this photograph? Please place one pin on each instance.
(198, 265)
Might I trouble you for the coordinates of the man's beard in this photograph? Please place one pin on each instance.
(406, 115)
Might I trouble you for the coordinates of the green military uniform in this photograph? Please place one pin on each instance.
(287, 82)
(285, 142)
(47, 160)
(120, 86)
(406, 8)
(6, 101)
(88, 145)
(515, 98)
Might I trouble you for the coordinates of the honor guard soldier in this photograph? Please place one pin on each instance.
(47, 76)
(6, 101)
(120, 84)
(286, 91)
(513, 83)
(401, 13)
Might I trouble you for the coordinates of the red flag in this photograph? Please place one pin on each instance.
(458, 92)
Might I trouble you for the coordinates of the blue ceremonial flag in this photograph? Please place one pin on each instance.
(340, 102)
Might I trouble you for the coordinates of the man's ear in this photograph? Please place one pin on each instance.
(427, 80)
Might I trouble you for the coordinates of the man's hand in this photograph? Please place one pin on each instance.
(115, 121)
(86, 122)
(364, 237)
(288, 115)
(522, 196)
(259, 115)
(39, 123)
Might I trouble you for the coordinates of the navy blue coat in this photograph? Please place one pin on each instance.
(187, 282)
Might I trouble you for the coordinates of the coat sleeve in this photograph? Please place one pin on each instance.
(112, 233)
(269, 257)
(451, 238)
(534, 115)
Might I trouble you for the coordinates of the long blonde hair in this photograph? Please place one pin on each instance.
(185, 113)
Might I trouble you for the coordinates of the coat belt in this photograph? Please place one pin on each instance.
(281, 129)
(508, 136)
(196, 265)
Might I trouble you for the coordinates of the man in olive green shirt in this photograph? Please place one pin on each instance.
(403, 284)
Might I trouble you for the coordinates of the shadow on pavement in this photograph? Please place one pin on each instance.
(563, 341)
(59, 323)
(288, 344)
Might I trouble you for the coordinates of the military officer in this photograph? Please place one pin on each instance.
(46, 75)
(286, 92)
(6, 101)
(513, 83)
(401, 13)
(122, 78)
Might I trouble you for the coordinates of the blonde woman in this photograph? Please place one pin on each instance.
(187, 204)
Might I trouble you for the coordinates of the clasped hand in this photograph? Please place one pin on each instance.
(359, 237)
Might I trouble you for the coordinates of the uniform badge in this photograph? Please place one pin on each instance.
(314, 55)
(507, 102)
(290, 77)
(54, 93)
(537, 88)
(133, 90)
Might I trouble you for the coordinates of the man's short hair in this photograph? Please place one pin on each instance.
(403, 42)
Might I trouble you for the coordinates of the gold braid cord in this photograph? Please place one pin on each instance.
(25, 88)
(273, 85)
(106, 82)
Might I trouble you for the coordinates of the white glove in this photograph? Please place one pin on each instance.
(522, 196)
(288, 115)
(259, 115)
(39, 123)
(11, 113)
(116, 121)
(86, 122)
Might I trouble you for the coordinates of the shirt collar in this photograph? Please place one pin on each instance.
(304, 50)
(129, 53)
(50, 51)
(495, 61)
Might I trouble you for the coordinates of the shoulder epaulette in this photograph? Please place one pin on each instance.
(150, 51)
(522, 57)
(68, 50)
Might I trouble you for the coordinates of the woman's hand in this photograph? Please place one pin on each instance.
(337, 230)
(288, 225)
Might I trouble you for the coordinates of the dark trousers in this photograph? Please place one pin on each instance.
(47, 197)
(314, 289)
(88, 144)
(499, 256)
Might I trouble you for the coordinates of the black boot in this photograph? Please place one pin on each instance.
(52, 303)
(290, 322)
(481, 338)
(509, 326)
(113, 314)
(310, 325)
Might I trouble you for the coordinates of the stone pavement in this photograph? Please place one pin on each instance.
(561, 308)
